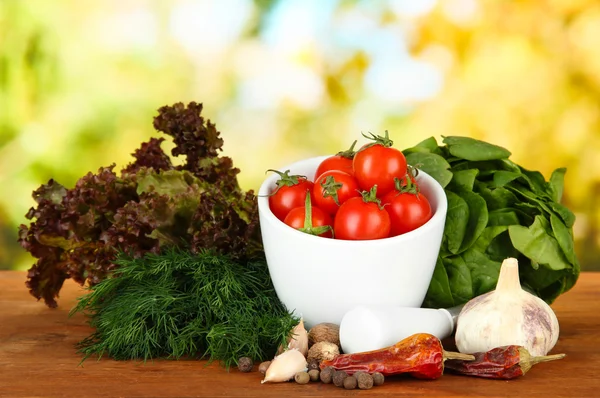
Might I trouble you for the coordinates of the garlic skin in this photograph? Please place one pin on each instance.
(508, 315)
(298, 339)
(285, 366)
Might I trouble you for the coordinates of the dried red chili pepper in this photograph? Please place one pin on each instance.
(420, 355)
(506, 362)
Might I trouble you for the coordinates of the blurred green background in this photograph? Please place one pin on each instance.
(81, 80)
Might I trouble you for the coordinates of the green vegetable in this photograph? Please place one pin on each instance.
(178, 304)
(75, 233)
(496, 209)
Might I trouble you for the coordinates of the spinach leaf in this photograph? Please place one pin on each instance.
(503, 177)
(535, 243)
(463, 180)
(487, 169)
(540, 277)
(472, 149)
(537, 182)
(498, 198)
(493, 243)
(557, 182)
(528, 209)
(484, 272)
(428, 145)
(551, 292)
(457, 219)
(507, 164)
(543, 281)
(563, 237)
(501, 247)
(546, 205)
(433, 164)
(459, 279)
(565, 214)
(503, 217)
(439, 294)
(571, 278)
(487, 236)
(477, 220)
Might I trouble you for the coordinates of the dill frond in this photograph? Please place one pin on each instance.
(178, 304)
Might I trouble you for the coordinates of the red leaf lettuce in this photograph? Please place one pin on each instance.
(76, 233)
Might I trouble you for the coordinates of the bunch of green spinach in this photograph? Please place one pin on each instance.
(496, 209)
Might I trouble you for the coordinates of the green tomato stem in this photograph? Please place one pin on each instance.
(308, 225)
(410, 186)
(377, 140)
(285, 180)
(370, 196)
(307, 212)
(348, 153)
(330, 187)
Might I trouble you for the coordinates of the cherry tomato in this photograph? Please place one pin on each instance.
(362, 218)
(408, 211)
(289, 194)
(378, 164)
(341, 161)
(333, 188)
(310, 220)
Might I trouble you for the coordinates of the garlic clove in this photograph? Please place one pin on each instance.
(285, 366)
(508, 315)
(298, 339)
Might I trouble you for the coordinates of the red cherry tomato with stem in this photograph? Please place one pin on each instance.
(341, 161)
(378, 164)
(333, 188)
(310, 220)
(289, 193)
(408, 208)
(411, 173)
(362, 218)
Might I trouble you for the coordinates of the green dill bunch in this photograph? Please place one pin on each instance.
(179, 304)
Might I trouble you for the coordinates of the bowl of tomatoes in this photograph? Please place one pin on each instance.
(351, 229)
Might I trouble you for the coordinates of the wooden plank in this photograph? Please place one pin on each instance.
(38, 359)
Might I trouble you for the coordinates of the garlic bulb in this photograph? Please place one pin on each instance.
(285, 366)
(298, 339)
(507, 316)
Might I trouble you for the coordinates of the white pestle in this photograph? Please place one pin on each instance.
(371, 327)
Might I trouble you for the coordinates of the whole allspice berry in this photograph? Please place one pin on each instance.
(302, 377)
(314, 374)
(356, 374)
(262, 368)
(378, 379)
(326, 374)
(350, 383)
(338, 378)
(313, 364)
(245, 364)
(365, 381)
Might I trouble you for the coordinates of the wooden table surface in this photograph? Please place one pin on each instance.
(38, 359)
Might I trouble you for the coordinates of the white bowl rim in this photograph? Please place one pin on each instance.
(439, 214)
